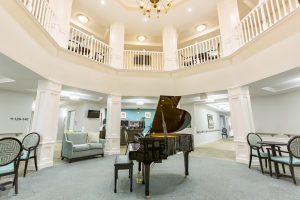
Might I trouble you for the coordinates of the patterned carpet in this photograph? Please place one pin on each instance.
(210, 179)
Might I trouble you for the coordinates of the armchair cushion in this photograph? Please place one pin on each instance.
(7, 168)
(77, 138)
(25, 153)
(96, 145)
(262, 154)
(285, 159)
(81, 147)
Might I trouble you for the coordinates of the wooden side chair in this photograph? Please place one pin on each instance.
(256, 150)
(30, 143)
(10, 151)
(291, 157)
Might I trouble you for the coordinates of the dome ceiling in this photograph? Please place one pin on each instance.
(101, 16)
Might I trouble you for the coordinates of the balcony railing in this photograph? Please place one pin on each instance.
(201, 52)
(43, 13)
(264, 16)
(87, 45)
(143, 60)
(260, 19)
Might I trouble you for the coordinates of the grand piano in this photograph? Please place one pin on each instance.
(162, 140)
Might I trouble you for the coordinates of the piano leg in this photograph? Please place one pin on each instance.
(140, 167)
(147, 178)
(186, 162)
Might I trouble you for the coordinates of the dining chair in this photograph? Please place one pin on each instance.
(256, 149)
(30, 143)
(224, 132)
(10, 151)
(291, 157)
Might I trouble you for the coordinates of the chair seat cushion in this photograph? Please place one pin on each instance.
(285, 159)
(81, 147)
(25, 153)
(7, 168)
(262, 154)
(96, 145)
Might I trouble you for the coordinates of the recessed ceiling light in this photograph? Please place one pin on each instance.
(189, 9)
(140, 102)
(82, 19)
(201, 27)
(102, 2)
(141, 38)
(145, 19)
(6, 80)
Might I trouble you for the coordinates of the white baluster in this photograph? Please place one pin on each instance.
(273, 11)
(278, 9)
(29, 6)
(269, 14)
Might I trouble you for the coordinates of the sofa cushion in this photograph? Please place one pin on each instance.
(81, 147)
(96, 145)
(93, 137)
(77, 138)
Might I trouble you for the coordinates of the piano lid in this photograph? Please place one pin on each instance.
(168, 117)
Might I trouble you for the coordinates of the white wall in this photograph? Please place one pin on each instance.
(277, 113)
(199, 123)
(82, 123)
(14, 104)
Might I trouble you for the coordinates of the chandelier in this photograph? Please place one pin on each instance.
(149, 7)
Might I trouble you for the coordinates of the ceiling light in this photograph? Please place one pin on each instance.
(145, 19)
(140, 103)
(82, 19)
(74, 98)
(149, 7)
(102, 2)
(141, 38)
(6, 80)
(189, 9)
(201, 27)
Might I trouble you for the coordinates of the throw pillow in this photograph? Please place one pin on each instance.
(93, 137)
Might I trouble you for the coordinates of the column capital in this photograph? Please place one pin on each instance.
(49, 85)
(238, 91)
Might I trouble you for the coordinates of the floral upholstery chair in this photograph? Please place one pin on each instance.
(30, 143)
(10, 151)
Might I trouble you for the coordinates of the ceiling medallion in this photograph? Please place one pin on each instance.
(149, 7)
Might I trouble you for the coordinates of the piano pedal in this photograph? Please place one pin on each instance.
(148, 197)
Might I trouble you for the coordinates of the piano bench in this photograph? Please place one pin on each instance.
(122, 162)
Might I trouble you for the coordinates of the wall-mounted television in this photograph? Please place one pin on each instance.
(93, 113)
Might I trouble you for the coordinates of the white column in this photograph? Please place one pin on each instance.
(241, 121)
(228, 21)
(113, 123)
(116, 42)
(45, 120)
(170, 48)
(62, 10)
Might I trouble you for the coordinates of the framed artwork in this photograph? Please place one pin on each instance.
(147, 115)
(210, 121)
(123, 115)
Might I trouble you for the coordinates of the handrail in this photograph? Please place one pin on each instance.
(87, 45)
(43, 13)
(263, 16)
(201, 52)
(143, 60)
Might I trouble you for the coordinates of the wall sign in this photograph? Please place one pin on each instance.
(147, 115)
(123, 115)
(19, 118)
